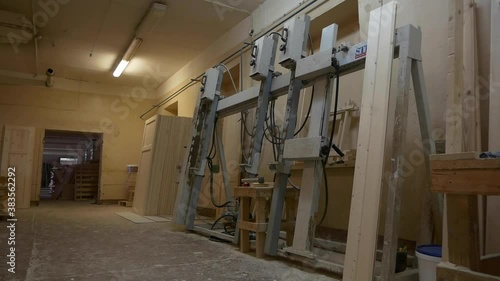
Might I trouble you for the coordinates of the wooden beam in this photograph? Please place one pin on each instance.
(394, 191)
(449, 272)
(363, 221)
(463, 237)
(454, 113)
(493, 203)
(432, 204)
(471, 104)
(494, 133)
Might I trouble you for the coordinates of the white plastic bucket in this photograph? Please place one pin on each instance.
(428, 258)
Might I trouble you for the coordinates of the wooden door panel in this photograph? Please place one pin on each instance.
(18, 151)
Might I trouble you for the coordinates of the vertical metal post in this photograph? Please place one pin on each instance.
(210, 95)
(185, 187)
(252, 167)
(297, 33)
(312, 174)
(278, 200)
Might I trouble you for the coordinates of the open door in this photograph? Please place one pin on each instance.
(17, 151)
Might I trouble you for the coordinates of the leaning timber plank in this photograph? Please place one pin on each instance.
(472, 116)
(394, 191)
(494, 132)
(454, 122)
(363, 221)
(450, 272)
(493, 203)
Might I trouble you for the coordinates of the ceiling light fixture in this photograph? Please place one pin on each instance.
(147, 25)
(136, 43)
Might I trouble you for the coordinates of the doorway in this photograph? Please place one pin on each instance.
(71, 166)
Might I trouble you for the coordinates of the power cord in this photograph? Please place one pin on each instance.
(327, 154)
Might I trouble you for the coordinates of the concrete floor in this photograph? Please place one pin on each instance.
(62, 240)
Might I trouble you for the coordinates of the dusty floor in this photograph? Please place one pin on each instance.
(78, 241)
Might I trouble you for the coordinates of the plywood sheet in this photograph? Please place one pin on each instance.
(134, 217)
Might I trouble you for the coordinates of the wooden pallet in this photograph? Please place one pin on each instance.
(86, 181)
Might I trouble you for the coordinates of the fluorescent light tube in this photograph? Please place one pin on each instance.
(120, 68)
(132, 48)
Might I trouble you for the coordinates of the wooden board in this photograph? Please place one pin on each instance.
(18, 145)
(493, 203)
(469, 175)
(164, 142)
(363, 221)
(454, 125)
(448, 272)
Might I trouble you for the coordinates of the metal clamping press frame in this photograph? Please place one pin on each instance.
(320, 70)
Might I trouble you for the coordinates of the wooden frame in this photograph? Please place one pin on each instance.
(448, 272)
(462, 177)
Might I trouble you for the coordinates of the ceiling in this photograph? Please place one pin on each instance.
(86, 39)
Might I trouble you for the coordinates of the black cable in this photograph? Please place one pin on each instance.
(212, 197)
(326, 193)
(311, 49)
(277, 33)
(307, 115)
(213, 148)
(217, 220)
(244, 122)
(334, 113)
(213, 238)
(330, 145)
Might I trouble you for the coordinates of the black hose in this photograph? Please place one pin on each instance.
(330, 146)
(213, 238)
(217, 220)
(212, 197)
(307, 115)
